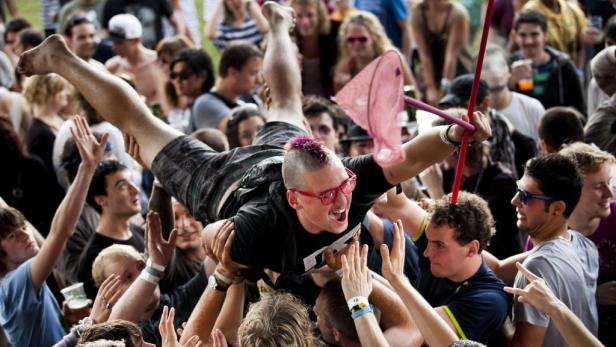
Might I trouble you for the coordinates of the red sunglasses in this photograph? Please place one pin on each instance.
(329, 196)
(358, 38)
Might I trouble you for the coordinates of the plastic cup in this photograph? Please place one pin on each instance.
(526, 84)
(76, 299)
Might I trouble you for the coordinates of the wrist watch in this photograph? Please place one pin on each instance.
(214, 283)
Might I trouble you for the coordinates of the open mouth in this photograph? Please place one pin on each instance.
(338, 215)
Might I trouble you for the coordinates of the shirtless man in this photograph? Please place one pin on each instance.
(133, 58)
(287, 206)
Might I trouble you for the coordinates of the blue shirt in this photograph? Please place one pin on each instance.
(477, 307)
(29, 318)
(389, 12)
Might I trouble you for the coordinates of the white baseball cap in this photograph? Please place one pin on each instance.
(124, 27)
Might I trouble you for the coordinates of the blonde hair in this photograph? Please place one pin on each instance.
(171, 46)
(279, 319)
(380, 41)
(40, 88)
(324, 25)
(112, 254)
(588, 159)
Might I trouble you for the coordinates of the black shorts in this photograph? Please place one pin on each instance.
(197, 176)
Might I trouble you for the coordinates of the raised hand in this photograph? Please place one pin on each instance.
(108, 294)
(159, 250)
(132, 148)
(393, 262)
(536, 293)
(218, 339)
(90, 149)
(170, 339)
(356, 278)
(221, 250)
(483, 129)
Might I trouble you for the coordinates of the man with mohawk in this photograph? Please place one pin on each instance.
(288, 197)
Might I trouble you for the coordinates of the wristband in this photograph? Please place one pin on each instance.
(362, 312)
(445, 84)
(358, 301)
(154, 266)
(146, 276)
(222, 278)
(153, 271)
(444, 134)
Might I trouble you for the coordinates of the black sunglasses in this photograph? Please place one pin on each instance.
(181, 75)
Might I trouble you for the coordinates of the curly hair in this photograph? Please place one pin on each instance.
(470, 218)
(380, 41)
(41, 88)
(279, 319)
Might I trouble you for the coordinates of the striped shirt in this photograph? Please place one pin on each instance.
(247, 31)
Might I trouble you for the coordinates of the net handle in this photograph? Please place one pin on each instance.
(423, 106)
(471, 103)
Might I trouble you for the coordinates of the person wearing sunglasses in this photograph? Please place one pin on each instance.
(361, 39)
(288, 197)
(568, 262)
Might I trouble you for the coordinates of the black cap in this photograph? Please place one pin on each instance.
(356, 133)
(460, 91)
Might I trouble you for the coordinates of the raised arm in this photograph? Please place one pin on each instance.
(255, 12)
(398, 206)
(357, 285)
(435, 330)
(133, 303)
(538, 294)
(428, 148)
(65, 219)
(211, 27)
(504, 269)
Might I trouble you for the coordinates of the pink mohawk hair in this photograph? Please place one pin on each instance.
(308, 145)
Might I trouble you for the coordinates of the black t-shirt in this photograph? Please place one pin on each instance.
(269, 235)
(477, 306)
(149, 13)
(95, 245)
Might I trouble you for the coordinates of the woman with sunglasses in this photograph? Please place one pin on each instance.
(362, 39)
(236, 20)
(441, 30)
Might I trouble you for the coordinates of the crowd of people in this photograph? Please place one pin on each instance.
(163, 186)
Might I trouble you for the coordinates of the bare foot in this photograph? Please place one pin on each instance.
(279, 17)
(42, 58)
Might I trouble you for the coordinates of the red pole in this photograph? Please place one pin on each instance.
(471, 102)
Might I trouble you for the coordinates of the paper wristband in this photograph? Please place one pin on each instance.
(154, 266)
(362, 312)
(223, 278)
(146, 276)
(357, 300)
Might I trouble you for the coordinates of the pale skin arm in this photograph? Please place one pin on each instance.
(396, 322)
(407, 38)
(211, 27)
(356, 281)
(436, 330)
(255, 12)
(504, 269)
(457, 38)
(132, 304)
(398, 206)
(230, 316)
(539, 295)
(65, 219)
(425, 58)
(418, 157)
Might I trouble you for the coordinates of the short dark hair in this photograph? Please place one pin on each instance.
(10, 220)
(557, 177)
(236, 55)
(561, 125)
(336, 311)
(315, 105)
(238, 115)
(16, 25)
(470, 218)
(200, 63)
(531, 17)
(73, 22)
(98, 186)
(30, 37)
(610, 29)
(116, 330)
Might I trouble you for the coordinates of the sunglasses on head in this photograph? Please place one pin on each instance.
(183, 75)
(357, 38)
(329, 196)
(525, 196)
